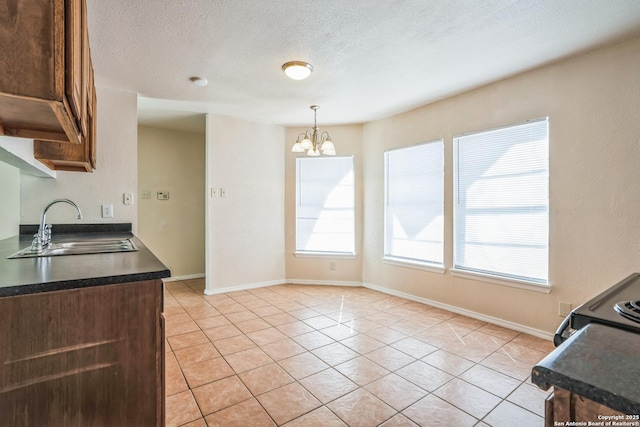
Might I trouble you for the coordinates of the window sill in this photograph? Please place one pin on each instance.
(333, 255)
(433, 268)
(513, 283)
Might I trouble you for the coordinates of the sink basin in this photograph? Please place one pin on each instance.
(81, 247)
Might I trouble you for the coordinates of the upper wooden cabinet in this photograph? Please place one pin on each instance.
(75, 70)
(46, 80)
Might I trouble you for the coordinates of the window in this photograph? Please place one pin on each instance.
(325, 219)
(414, 204)
(501, 202)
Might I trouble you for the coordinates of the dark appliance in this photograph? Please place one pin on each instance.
(618, 307)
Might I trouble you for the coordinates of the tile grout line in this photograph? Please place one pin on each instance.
(363, 354)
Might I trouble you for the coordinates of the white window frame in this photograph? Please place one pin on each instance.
(538, 206)
(319, 253)
(406, 255)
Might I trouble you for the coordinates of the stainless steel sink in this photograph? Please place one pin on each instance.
(80, 247)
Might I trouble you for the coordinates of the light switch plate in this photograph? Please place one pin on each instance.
(127, 198)
(107, 211)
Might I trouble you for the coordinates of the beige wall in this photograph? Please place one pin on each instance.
(348, 142)
(115, 174)
(10, 197)
(173, 229)
(592, 102)
(245, 235)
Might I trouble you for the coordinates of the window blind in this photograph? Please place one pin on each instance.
(501, 209)
(325, 218)
(414, 203)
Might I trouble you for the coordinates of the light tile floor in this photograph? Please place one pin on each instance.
(299, 355)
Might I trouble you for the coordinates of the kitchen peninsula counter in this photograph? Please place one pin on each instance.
(44, 274)
(599, 363)
(83, 336)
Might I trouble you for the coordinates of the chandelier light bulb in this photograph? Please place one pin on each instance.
(297, 148)
(306, 144)
(328, 148)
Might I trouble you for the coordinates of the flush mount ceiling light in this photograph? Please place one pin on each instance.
(199, 81)
(310, 142)
(297, 70)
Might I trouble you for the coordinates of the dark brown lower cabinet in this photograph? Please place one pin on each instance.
(83, 357)
(562, 406)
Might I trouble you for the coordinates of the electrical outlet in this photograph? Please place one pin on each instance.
(163, 195)
(107, 211)
(564, 308)
(146, 194)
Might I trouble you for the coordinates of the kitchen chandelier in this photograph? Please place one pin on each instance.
(310, 142)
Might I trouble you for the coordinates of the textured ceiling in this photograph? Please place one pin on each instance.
(371, 58)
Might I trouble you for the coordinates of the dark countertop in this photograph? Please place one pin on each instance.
(598, 362)
(45, 274)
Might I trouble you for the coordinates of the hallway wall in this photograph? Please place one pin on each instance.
(173, 229)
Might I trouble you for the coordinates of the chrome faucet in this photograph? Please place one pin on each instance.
(42, 239)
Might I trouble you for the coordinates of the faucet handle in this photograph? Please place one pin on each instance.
(35, 243)
(46, 238)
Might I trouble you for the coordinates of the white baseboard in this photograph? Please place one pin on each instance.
(244, 287)
(323, 282)
(187, 277)
(280, 282)
(485, 318)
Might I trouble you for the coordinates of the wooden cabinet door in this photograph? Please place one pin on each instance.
(79, 88)
(83, 357)
(90, 119)
(91, 138)
(74, 84)
(29, 34)
(44, 74)
(568, 406)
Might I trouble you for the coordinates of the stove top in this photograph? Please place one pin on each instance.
(629, 309)
(619, 306)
